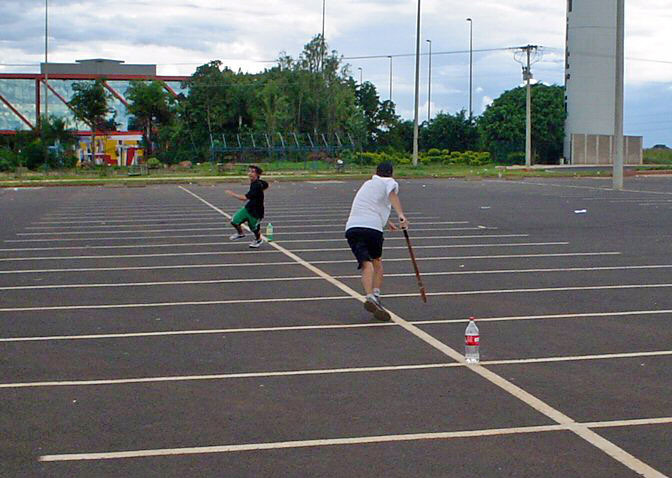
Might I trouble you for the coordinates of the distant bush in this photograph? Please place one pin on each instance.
(153, 163)
(516, 157)
(657, 156)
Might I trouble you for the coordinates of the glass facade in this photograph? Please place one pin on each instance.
(21, 94)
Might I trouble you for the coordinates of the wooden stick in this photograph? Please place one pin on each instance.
(415, 266)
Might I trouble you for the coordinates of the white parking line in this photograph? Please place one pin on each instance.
(172, 236)
(323, 226)
(346, 261)
(293, 328)
(307, 299)
(281, 223)
(301, 278)
(232, 243)
(329, 371)
(256, 252)
(355, 441)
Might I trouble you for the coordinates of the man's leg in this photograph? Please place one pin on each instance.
(368, 274)
(236, 221)
(377, 274)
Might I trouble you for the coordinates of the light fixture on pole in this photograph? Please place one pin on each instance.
(390, 57)
(471, 63)
(360, 75)
(429, 84)
(417, 89)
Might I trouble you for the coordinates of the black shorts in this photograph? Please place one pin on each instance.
(366, 244)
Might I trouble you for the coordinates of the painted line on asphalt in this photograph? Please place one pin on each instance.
(164, 222)
(345, 261)
(171, 236)
(305, 299)
(310, 226)
(329, 371)
(293, 328)
(591, 437)
(582, 187)
(257, 252)
(200, 450)
(198, 244)
(347, 276)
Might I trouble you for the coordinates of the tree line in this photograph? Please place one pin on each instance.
(314, 93)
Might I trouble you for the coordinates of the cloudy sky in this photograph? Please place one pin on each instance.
(179, 35)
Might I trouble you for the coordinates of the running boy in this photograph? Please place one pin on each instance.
(253, 211)
(369, 214)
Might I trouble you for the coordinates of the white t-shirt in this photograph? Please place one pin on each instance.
(371, 206)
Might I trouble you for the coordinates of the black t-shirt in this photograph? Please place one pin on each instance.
(255, 205)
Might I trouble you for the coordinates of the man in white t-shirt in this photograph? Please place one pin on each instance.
(369, 215)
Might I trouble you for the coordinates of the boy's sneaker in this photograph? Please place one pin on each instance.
(256, 243)
(236, 236)
(373, 305)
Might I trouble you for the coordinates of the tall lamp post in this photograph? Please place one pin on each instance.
(390, 57)
(618, 97)
(360, 76)
(46, 83)
(417, 89)
(471, 63)
(324, 10)
(429, 84)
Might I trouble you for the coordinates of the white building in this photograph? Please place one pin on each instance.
(590, 66)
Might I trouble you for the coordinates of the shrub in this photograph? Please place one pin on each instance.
(515, 157)
(153, 163)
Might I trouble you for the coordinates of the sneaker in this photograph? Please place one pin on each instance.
(373, 305)
(236, 236)
(256, 244)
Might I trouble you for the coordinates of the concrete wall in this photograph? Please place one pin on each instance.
(597, 149)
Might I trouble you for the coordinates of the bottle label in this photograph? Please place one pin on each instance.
(472, 340)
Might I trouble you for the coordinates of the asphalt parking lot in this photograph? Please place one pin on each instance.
(137, 340)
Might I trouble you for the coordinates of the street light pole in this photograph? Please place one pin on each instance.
(429, 84)
(360, 76)
(417, 89)
(471, 63)
(46, 84)
(324, 10)
(618, 97)
(390, 57)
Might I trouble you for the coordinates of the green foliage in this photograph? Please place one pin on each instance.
(516, 157)
(152, 106)
(657, 156)
(9, 160)
(446, 131)
(153, 163)
(503, 122)
(90, 103)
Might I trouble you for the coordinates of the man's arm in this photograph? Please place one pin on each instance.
(396, 204)
(234, 195)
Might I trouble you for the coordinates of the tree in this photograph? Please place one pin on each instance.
(454, 132)
(90, 104)
(152, 106)
(503, 122)
(379, 116)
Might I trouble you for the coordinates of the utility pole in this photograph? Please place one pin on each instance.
(390, 57)
(417, 89)
(618, 97)
(43, 123)
(324, 11)
(528, 52)
(429, 84)
(471, 63)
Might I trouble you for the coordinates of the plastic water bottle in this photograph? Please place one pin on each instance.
(269, 232)
(472, 341)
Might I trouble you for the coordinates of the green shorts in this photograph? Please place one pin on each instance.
(243, 215)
